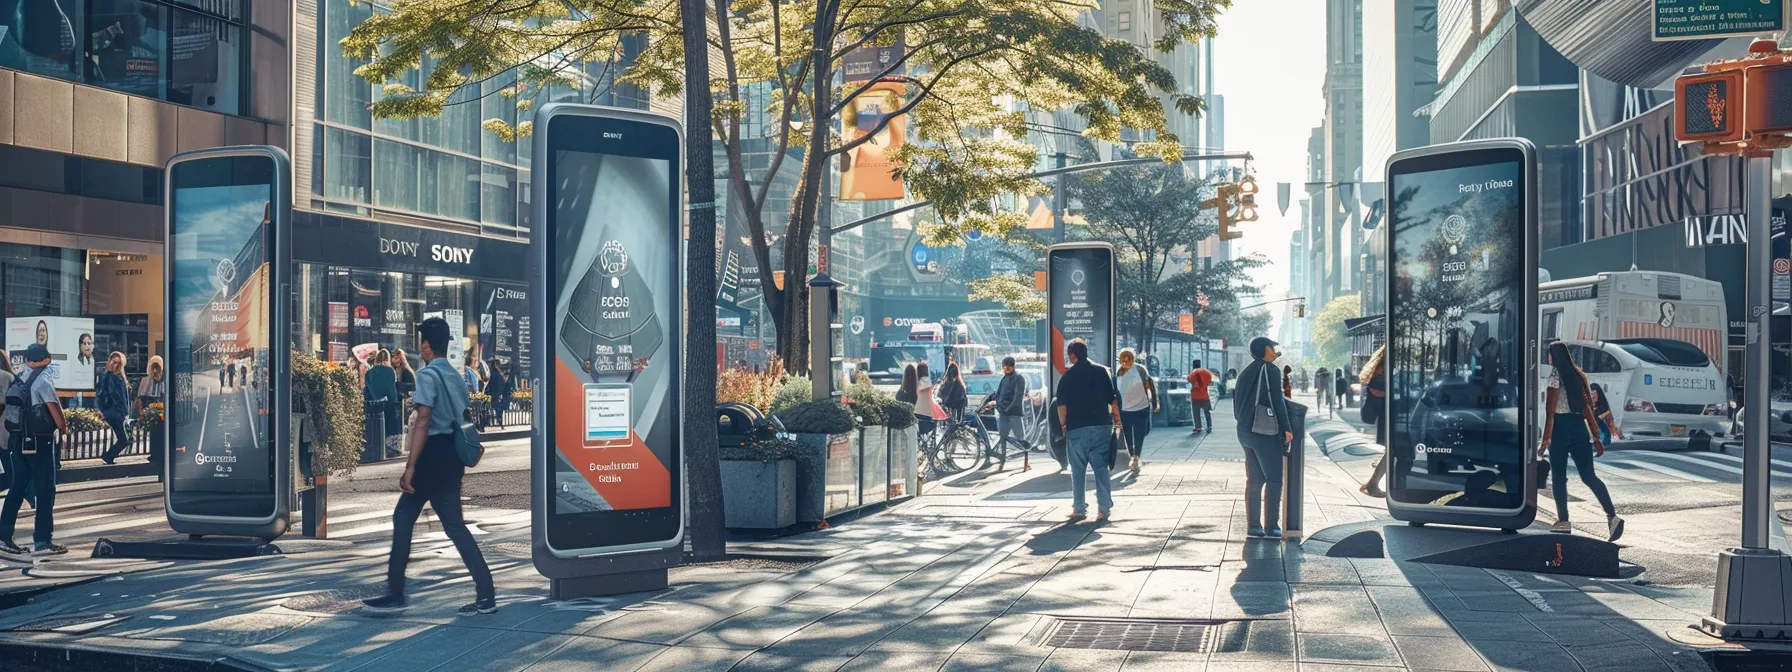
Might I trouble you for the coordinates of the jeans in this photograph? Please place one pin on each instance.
(118, 442)
(1134, 425)
(1007, 426)
(1570, 440)
(1203, 407)
(1262, 486)
(35, 472)
(1088, 446)
(437, 481)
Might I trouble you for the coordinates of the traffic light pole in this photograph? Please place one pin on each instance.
(1754, 581)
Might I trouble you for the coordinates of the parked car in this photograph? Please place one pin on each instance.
(1656, 387)
(1779, 421)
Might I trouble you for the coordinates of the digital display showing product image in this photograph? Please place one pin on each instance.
(1457, 309)
(613, 284)
(219, 403)
(1081, 303)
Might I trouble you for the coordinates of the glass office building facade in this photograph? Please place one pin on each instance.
(187, 52)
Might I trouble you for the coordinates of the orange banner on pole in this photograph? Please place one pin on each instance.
(869, 172)
(1186, 323)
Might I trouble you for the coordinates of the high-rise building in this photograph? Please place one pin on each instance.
(95, 96)
(374, 196)
(1399, 83)
(1343, 149)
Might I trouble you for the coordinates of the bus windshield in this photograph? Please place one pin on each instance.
(892, 359)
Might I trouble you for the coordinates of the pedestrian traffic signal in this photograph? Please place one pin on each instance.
(1767, 98)
(1708, 106)
(1300, 310)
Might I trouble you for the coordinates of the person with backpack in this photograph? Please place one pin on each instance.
(115, 404)
(33, 418)
(432, 473)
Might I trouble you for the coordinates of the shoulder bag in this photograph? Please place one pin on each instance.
(466, 434)
(1373, 406)
(1264, 421)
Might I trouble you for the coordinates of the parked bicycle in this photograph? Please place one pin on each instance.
(952, 447)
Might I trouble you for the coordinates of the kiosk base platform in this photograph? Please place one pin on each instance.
(183, 547)
(607, 584)
(1526, 551)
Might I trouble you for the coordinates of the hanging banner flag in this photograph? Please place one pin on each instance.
(867, 173)
(1185, 323)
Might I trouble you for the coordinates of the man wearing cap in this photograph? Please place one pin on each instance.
(33, 451)
(1261, 383)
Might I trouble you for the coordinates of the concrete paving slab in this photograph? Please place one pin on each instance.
(1084, 660)
(1335, 609)
(1439, 653)
(1341, 648)
(877, 661)
(579, 652)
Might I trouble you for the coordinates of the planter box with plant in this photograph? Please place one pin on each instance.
(759, 484)
(902, 442)
(824, 427)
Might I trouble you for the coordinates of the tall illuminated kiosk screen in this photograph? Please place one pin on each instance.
(607, 472)
(1462, 356)
(1079, 294)
(227, 470)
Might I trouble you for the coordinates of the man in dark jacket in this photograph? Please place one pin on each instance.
(1010, 403)
(1260, 383)
(1087, 412)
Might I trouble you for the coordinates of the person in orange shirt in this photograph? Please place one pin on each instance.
(1198, 380)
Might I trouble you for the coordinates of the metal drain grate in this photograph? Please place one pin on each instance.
(1132, 634)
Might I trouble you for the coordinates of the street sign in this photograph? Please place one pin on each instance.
(1707, 19)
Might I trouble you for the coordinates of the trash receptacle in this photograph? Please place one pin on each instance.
(1178, 411)
(1294, 469)
(375, 434)
(738, 424)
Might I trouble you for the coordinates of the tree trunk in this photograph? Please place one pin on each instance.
(702, 453)
(793, 334)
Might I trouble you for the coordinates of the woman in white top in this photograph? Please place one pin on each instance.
(1138, 400)
(925, 404)
(1570, 430)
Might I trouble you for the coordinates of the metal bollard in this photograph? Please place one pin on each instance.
(1294, 468)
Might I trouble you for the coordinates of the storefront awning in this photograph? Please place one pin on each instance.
(1612, 39)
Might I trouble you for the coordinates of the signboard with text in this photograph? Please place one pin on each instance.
(1079, 299)
(1707, 19)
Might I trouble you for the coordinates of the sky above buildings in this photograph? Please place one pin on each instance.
(1270, 59)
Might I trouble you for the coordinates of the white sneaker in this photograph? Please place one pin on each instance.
(1614, 527)
(1562, 527)
(1135, 465)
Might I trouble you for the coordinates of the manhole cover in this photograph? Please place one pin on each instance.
(71, 624)
(334, 602)
(1132, 634)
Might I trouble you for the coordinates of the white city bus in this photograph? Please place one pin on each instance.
(1637, 304)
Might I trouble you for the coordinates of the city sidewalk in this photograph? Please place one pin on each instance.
(979, 573)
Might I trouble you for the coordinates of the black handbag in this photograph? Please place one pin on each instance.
(1541, 467)
(1116, 439)
(1373, 407)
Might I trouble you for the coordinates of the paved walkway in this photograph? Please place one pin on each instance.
(977, 574)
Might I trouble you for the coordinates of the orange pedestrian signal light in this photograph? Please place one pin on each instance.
(1767, 95)
(1708, 107)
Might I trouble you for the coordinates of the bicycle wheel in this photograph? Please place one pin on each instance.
(960, 450)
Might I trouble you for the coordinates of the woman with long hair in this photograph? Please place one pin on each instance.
(153, 389)
(908, 392)
(1569, 431)
(84, 348)
(952, 395)
(114, 393)
(1375, 385)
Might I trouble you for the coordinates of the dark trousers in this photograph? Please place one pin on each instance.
(118, 441)
(1203, 407)
(1135, 425)
(35, 472)
(437, 482)
(1570, 440)
(1262, 485)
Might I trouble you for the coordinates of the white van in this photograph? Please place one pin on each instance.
(1656, 386)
